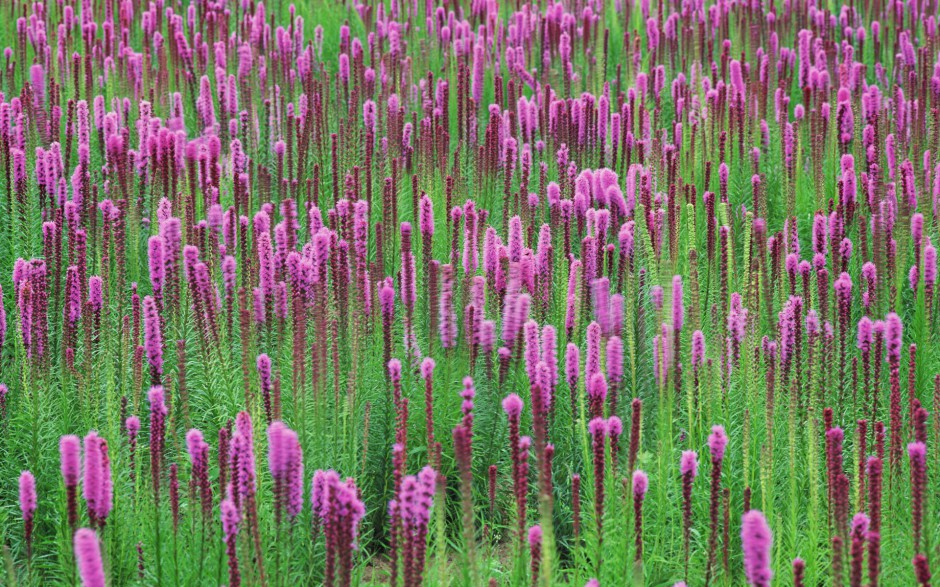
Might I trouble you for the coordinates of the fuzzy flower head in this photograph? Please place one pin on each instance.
(860, 524)
(427, 368)
(69, 454)
(132, 425)
(917, 451)
(657, 294)
(572, 363)
(641, 484)
(27, 495)
(930, 265)
(535, 536)
(737, 318)
(756, 541)
(512, 405)
(698, 349)
(894, 331)
(196, 446)
(864, 338)
(598, 427)
(717, 442)
(678, 307)
(230, 517)
(88, 558)
(614, 427)
(688, 465)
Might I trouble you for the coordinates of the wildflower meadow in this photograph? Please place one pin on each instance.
(469, 292)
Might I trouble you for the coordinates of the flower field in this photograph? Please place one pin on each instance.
(469, 292)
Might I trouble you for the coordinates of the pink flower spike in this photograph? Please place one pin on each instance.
(88, 558)
(27, 495)
(641, 483)
(717, 442)
(512, 405)
(688, 465)
(756, 542)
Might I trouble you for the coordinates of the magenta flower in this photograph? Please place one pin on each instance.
(70, 458)
(756, 542)
(339, 508)
(640, 485)
(717, 442)
(28, 508)
(678, 307)
(414, 509)
(230, 522)
(688, 465)
(27, 495)
(88, 558)
(199, 460)
(158, 414)
(153, 340)
(535, 552)
(917, 451)
(97, 483)
(285, 461)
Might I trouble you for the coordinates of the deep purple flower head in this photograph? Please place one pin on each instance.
(717, 442)
(756, 542)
